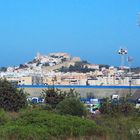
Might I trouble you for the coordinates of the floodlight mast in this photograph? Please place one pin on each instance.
(122, 52)
(130, 59)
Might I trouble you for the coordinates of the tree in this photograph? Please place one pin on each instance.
(55, 96)
(71, 93)
(77, 67)
(103, 65)
(11, 99)
(3, 69)
(71, 106)
(117, 107)
(22, 66)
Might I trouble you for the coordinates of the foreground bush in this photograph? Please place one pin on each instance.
(35, 124)
(11, 99)
(43, 125)
(71, 106)
(118, 107)
(4, 117)
(120, 127)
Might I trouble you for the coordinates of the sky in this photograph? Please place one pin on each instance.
(91, 29)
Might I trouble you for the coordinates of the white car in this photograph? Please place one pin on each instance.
(115, 97)
(35, 100)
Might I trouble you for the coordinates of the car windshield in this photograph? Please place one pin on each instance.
(138, 101)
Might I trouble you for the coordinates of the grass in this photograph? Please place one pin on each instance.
(43, 125)
(37, 124)
(120, 127)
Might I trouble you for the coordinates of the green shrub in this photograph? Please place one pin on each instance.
(120, 127)
(39, 124)
(4, 117)
(118, 107)
(46, 107)
(54, 96)
(71, 106)
(44, 125)
(11, 99)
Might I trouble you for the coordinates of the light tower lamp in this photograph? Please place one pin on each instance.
(122, 52)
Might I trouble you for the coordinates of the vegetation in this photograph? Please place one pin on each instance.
(38, 124)
(3, 69)
(11, 99)
(118, 107)
(46, 64)
(118, 120)
(33, 61)
(54, 96)
(119, 127)
(78, 67)
(135, 70)
(22, 66)
(43, 125)
(103, 66)
(71, 106)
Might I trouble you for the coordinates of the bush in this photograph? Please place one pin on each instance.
(117, 107)
(46, 107)
(39, 124)
(11, 99)
(54, 96)
(71, 106)
(44, 125)
(4, 117)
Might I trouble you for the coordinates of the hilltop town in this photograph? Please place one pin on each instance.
(64, 69)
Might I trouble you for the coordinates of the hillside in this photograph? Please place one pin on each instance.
(53, 62)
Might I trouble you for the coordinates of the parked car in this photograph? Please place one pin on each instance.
(91, 104)
(115, 97)
(35, 100)
(138, 103)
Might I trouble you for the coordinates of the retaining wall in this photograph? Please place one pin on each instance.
(96, 91)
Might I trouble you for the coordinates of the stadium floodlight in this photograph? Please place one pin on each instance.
(122, 52)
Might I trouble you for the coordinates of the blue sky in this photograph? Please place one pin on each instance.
(91, 29)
